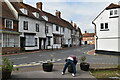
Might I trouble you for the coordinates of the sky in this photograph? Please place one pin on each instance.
(81, 12)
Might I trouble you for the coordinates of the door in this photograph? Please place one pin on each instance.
(44, 43)
(40, 42)
(85, 42)
(22, 43)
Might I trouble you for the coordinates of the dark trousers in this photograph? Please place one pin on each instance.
(70, 62)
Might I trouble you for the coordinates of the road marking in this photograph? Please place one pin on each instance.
(40, 55)
(32, 62)
(40, 61)
(18, 58)
(58, 59)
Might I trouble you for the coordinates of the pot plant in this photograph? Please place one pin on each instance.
(7, 68)
(84, 65)
(48, 66)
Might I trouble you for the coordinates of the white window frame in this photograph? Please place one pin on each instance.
(36, 14)
(113, 12)
(24, 11)
(37, 27)
(104, 26)
(6, 23)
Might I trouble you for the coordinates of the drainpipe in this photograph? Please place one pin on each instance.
(96, 37)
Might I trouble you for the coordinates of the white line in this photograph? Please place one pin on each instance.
(32, 62)
(40, 55)
(18, 58)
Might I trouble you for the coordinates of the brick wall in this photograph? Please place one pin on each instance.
(9, 50)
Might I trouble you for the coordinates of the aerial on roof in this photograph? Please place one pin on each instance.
(112, 6)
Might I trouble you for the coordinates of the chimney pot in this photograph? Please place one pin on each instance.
(75, 25)
(85, 31)
(39, 5)
(58, 14)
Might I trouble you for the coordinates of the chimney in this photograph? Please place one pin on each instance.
(75, 25)
(71, 22)
(58, 14)
(39, 5)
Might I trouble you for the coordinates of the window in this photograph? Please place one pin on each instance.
(30, 40)
(57, 28)
(63, 30)
(8, 23)
(49, 41)
(35, 41)
(115, 12)
(111, 12)
(10, 40)
(102, 26)
(47, 29)
(57, 39)
(106, 25)
(36, 14)
(25, 24)
(37, 27)
(23, 10)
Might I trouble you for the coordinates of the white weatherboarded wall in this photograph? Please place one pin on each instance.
(32, 29)
(107, 40)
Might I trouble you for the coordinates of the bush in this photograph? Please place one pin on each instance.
(83, 59)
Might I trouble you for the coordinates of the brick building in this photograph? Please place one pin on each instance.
(88, 38)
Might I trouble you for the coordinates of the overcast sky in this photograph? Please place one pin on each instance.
(81, 12)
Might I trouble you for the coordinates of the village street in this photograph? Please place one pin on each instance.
(59, 56)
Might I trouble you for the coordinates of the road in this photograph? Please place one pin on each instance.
(59, 56)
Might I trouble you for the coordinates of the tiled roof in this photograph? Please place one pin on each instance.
(56, 20)
(51, 18)
(6, 12)
(112, 6)
(88, 34)
(30, 9)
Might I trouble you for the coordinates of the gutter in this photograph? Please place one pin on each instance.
(96, 37)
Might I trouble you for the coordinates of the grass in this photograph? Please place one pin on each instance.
(105, 73)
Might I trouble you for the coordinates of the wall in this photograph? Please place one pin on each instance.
(67, 36)
(119, 30)
(9, 50)
(32, 29)
(50, 34)
(107, 40)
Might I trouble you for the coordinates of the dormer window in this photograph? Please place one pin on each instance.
(113, 13)
(24, 11)
(45, 17)
(36, 14)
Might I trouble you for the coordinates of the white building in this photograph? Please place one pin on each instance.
(107, 25)
(32, 27)
(40, 29)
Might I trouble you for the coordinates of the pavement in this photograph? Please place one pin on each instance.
(37, 71)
